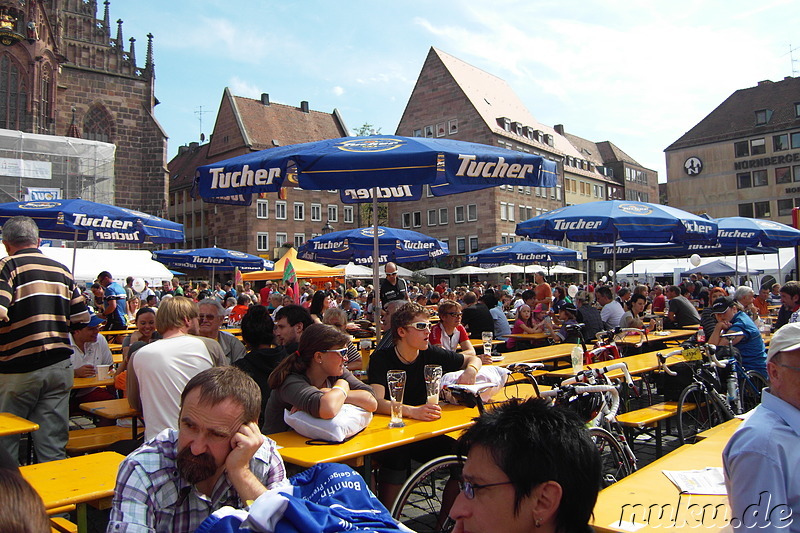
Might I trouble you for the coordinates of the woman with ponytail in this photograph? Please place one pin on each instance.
(315, 379)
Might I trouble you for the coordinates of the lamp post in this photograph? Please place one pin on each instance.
(327, 228)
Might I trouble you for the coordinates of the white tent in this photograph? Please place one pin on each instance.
(508, 269)
(561, 269)
(469, 270)
(403, 272)
(89, 262)
(648, 268)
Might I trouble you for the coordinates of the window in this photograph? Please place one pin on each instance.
(473, 244)
(741, 149)
(262, 241)
(783, 175)
(762, 116)
(785, 206)
(442, 216)
(762, 209)
(758, 146)
(780, 142)
(406, 220)
(746, 210)
(511, 208)
(461, 245)
(299, 211)
(347, 214)
(796, 170)
(431, 217)
(280, 210)
(797, 109)
(743, 180)
(428, 193)
(416, 219)
(796, 140)
(447, 242)
(262, 208)
(97, 124)
(459, 214)
(316, 212)
(503, 211)
(280, 239)
(333, 213)
(472, 213)
(759, 178)
(299, 239)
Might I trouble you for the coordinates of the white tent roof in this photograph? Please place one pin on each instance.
(89, 262)
(471, 270)
(352, 270)
(403, 272)
(508, 269)
(433, 271)
(561, 269)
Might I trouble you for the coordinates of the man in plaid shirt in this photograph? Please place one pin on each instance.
(218, 457)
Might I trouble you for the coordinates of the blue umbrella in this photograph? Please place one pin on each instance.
(212, 258)
(522, 252)
(611, 220)
(396, 166)
(356, 245)
(743, 231)
(75, 219)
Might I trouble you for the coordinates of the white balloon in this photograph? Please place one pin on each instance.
(695, 260)
(604, 279)
(572, 290)
(138, 284)
(610, 273)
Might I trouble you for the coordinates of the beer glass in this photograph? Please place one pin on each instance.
(396, 381)
(433, 379)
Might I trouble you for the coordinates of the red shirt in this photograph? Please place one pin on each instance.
(437, 332)
(659, 303)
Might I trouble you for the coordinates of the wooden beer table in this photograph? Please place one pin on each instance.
(89, 383)
(648, 501)
(86, 479)
(637, 364)
(113, 410)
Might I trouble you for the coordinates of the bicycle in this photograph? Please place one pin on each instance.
(422, 503)
(743, 387)
(605, 345)
(700, 406)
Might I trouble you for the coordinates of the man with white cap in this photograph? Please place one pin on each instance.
(762, 459)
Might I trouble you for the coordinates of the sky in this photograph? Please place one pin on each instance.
(636, 73)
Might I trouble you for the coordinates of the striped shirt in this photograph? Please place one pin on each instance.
(151, 496)
(40, 298)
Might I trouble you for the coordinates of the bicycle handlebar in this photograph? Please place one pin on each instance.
(662, 361)
(597, 372)
(712, 357)
(589, 389)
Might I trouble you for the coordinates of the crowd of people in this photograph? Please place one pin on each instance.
(208, 399)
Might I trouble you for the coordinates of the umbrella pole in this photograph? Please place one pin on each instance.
(747, 267)
(778, 255)
(614, 259)
(376, 287)
(74, 252)
(736, 273)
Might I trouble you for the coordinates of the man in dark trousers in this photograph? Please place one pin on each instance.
(38, 302)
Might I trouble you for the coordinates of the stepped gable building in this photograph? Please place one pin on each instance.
(246, 125)
(62, 73)
(455, 100)
(743, 159)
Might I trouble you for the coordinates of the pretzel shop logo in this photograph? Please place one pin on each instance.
(370, 232)
(501, 249)
(636, 209)
(370, 145)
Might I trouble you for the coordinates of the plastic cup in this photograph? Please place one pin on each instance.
(103, 371)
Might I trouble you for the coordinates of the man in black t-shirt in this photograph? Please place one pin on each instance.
(476, 316)
(392, 287)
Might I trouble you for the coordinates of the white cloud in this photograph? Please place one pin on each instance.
(338, 91)
(240, 87)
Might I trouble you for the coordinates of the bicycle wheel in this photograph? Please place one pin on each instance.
(697, 412)
(751, 395)
(419, 505)
(614, 463)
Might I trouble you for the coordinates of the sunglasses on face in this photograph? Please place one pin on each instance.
(453, 314)
(391, 273)
(342, 352)
(420, 326)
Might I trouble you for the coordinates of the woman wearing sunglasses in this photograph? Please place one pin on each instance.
(411, 352)
(314, 379)
(449, 333)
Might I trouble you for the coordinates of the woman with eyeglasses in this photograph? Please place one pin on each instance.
(449, 333)
(337, 318)
(411, 352)
(314, 379)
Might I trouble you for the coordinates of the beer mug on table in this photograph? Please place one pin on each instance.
(487, 337)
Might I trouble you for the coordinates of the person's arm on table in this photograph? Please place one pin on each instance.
(472, 365)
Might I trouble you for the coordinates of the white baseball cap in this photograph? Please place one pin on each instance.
(786, 339)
